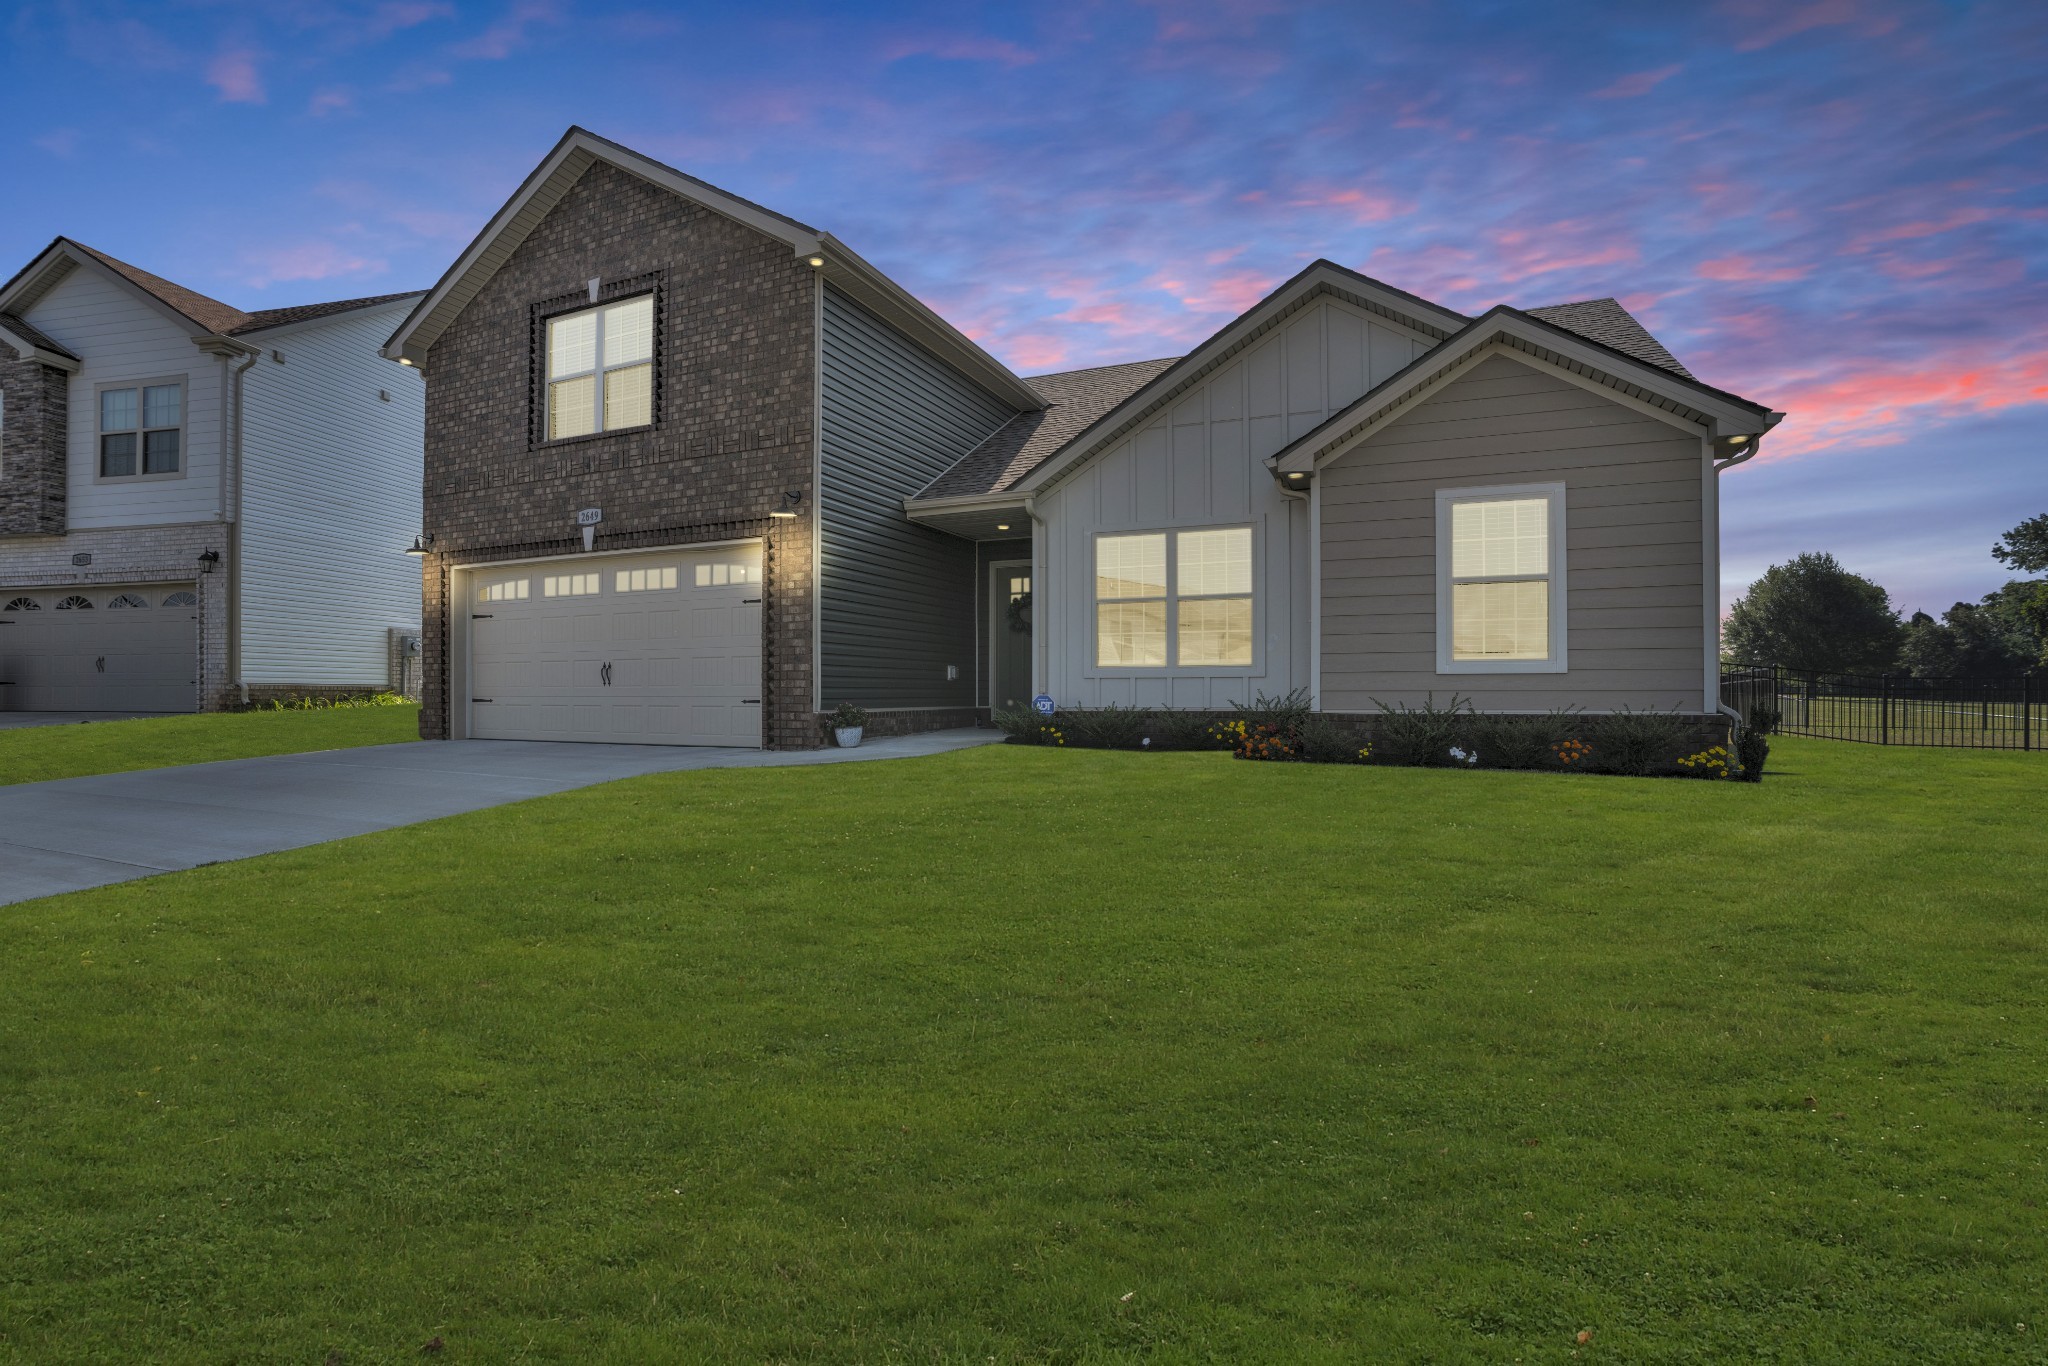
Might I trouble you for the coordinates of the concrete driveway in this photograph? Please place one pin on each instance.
(75, 833)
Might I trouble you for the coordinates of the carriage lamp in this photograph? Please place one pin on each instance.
(792, 499)
(420, 545)
(207, 560)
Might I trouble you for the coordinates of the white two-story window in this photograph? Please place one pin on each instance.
(1500, 580)
(601, 369)
(142, 430)
(1184, 596)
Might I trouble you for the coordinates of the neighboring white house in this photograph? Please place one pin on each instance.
(199, 505)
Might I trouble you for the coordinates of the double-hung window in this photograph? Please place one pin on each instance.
(1500, 580)
(142, 430)
(1184, 596)
(601, 369)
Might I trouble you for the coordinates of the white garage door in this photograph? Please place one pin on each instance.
(655, 649)
(99, 649)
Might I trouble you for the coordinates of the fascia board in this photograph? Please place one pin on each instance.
(965, 502)
(850, 272)
(548, 182)
(62, 249)
(29, 351)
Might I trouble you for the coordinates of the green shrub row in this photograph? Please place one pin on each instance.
(309, 702)
(1450, 735)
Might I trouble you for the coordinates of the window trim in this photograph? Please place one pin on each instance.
(1557, 662)
(648, 286)
(1172, 598)
(184, 383)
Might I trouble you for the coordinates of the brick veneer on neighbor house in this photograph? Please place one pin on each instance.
(32, 446)
(735, 375)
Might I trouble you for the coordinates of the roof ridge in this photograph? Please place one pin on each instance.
(1114, 365)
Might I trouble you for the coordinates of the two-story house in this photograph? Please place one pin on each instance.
(199, 506)
(697, 472)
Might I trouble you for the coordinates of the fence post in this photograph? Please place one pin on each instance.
(1884, 713)
(2027, 710)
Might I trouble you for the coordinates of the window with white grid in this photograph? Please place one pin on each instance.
(1500, 580)
(601, 369)
(1184, 596)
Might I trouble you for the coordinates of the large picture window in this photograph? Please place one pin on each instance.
(1500, 580)
(142, 430)
(1184, 596)
(601, 369)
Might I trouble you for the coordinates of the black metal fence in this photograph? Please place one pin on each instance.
(1893, 709)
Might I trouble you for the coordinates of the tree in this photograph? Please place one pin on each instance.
(1970, 640)
(1810, 613)
(2025, 547)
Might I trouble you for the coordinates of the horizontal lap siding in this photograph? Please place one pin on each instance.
(897, 600)
(330, 499)
(1633, 525)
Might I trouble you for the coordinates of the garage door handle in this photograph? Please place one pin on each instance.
(100, 663)
(746, 600)
(483, 699)
(479, 616)
(607, 671)
(750, 701)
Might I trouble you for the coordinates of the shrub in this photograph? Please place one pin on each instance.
(1110, 727)
(1015, 722)
(1285, 714)
(1173, 729)
(1420, 736)
(1752, 744)
(1266, 742)
(1320, 740)
(846, 715)
(312, 703)
(1637, 743)
(1708, 763)
(1520, 741)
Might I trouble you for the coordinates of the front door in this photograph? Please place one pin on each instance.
(1009, 633)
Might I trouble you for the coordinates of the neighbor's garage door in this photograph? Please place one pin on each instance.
(99, 649)
(655, 649)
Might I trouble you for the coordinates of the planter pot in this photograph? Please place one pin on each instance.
(848, 736)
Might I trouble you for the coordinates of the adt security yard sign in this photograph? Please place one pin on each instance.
(1043, 704)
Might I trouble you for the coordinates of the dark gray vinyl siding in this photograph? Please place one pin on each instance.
(896, 600)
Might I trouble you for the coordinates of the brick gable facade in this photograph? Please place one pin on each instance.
(733, 429)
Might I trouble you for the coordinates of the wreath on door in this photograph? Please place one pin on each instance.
(1020, 613)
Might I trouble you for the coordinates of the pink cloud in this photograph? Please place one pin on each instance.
(335, 99)
(1884, 402)
(1921, 227)
(959, 48)
(1636, 83)
(1360, 206)
(1780, 21)
(306, 261)
(233, 73)
(1520, 254)
(509, 34)
(397, 15)
(1748, 270)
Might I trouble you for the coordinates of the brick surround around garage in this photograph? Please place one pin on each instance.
(733, 431)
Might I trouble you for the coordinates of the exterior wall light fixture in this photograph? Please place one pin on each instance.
(792, 499)
(207, 560)
(420, 545)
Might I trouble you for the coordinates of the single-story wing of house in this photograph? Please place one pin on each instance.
(697, 473)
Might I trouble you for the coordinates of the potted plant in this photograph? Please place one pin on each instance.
(848, 724)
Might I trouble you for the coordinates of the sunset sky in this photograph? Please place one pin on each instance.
(1839, 207)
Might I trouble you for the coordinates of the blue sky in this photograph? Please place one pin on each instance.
(1839, 207)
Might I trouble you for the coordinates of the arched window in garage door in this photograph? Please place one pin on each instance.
(22, 605)
(182, 598)
(127, 600)
(75, 603)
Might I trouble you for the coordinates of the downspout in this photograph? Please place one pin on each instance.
(1039, 597)
(233, 449)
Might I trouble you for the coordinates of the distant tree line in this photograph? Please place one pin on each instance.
(1811, 613)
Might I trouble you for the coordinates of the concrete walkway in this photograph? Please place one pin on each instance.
(75, 833)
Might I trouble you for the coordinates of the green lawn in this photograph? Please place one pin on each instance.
(73, 751)
(1035, 1055)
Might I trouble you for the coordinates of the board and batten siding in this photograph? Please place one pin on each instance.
(330, 499)
(125, 340)
(1201, 463)
(1634, 523)
(896, 600)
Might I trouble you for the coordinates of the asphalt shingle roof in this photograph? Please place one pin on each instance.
(1607, 322)
(23, 329)
(1074, 400)
(226, 319)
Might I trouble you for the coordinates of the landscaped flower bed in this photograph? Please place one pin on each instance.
(1641, 744)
